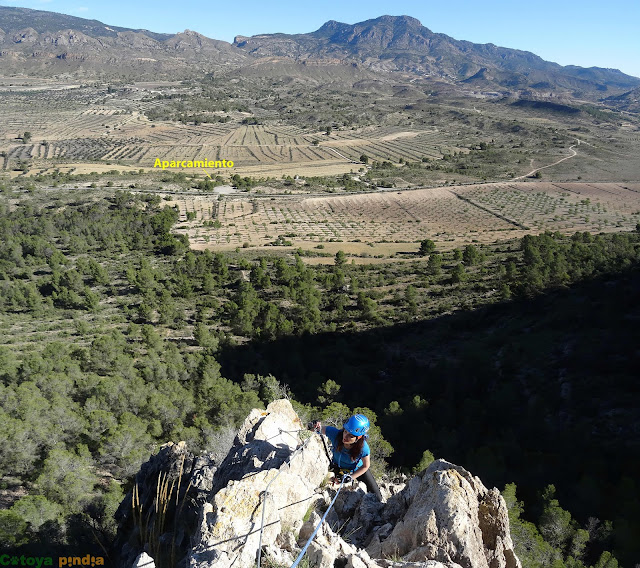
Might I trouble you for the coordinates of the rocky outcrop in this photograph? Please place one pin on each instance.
(271, 480)
(446, 514)
(264, 455)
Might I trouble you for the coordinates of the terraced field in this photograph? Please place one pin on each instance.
(82, 128)
(392, 143)
(450, 216)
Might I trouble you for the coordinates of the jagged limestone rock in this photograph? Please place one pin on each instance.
(367, 515)
(379, 534)
(362, 560)
(320, 555)
(274, 554)
(442, 518)
(453, 518)
(229, 527)
(426, 564)
(348, 501)
(308, 527)
(494, 524)
(355, 562)
(203, 473)
(325, 547)
(286, 540)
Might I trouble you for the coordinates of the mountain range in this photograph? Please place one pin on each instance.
(389, 48)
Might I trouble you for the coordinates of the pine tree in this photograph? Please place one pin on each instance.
(427, 246)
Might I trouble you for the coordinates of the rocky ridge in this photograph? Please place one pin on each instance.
(46, 44)
(396, 48)
(187, 510)
(402, 44)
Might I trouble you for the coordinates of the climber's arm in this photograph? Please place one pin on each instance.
(366, 463)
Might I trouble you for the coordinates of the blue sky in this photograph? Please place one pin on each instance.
(603, 33)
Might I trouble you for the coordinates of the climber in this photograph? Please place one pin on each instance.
(351, 453)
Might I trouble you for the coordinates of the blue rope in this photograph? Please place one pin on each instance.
(302, 552)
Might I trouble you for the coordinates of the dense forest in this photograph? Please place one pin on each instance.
(518, 361)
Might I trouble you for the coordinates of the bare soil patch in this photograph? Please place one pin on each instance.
(400, 135)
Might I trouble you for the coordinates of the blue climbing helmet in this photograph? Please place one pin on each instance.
(357, 425)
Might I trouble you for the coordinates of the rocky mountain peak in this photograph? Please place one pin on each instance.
(275, 472)
(399, 21)
(377, 34)
(67, 38)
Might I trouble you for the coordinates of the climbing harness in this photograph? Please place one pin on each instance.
(304, 550)
(266, 491)
(340, 472)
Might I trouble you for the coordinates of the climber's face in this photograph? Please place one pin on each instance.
(348, 438)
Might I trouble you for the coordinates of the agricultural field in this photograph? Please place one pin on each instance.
(304, 134)
(384, 223)
(455, 171)
(106, 134)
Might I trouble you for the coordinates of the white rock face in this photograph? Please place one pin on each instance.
(229, 527)
(443, 518)
(453, 518)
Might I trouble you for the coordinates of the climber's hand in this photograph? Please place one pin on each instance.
(314, 425)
